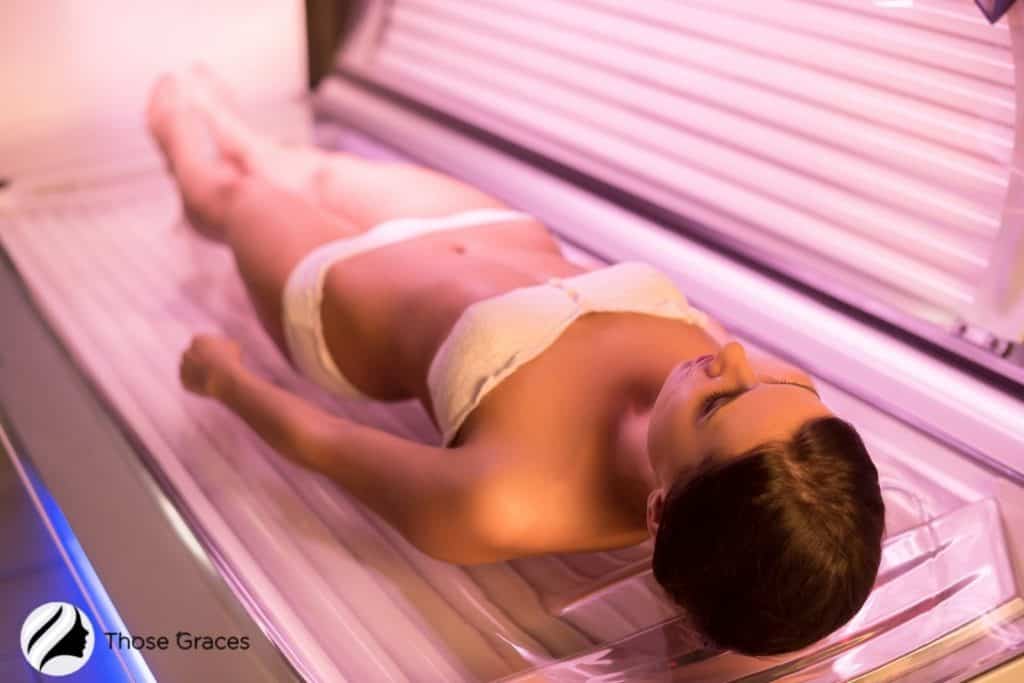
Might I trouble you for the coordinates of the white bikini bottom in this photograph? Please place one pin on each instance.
(304, 290)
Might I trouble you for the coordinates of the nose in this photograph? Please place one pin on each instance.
(732, 361)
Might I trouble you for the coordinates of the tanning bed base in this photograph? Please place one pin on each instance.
(125, 285)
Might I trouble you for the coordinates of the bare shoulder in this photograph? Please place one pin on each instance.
(494, 491)
(521, 508)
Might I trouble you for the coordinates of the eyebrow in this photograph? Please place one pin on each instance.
(731, 396)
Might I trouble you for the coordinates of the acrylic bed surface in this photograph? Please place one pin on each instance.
(126, 284)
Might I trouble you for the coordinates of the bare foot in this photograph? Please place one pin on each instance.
(206, 177)
(215, 100)
(164, 100)
(195, 119)
(291, 167)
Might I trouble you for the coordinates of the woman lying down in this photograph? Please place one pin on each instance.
(588, 408)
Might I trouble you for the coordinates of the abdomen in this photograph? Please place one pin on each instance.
(387, 311)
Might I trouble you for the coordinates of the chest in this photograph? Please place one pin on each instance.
(554, 432)
(555, 423)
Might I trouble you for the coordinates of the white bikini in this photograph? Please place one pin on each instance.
(492, 338)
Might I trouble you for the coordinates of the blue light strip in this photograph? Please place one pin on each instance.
(99, 603)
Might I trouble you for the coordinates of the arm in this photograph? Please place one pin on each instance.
(419, 489)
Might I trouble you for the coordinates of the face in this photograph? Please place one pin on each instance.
(763, 399)
(78, 635)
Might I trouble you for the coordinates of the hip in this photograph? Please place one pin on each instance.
(387, 311)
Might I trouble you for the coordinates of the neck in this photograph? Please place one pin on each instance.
(631, 468)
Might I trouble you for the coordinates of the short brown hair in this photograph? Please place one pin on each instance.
(773, 550)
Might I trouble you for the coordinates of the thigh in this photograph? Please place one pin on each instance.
(371, 192)
(269, 230)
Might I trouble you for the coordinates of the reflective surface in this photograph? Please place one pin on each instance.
(945, 599)
(342, 595)
(870, 150)
(40, 562)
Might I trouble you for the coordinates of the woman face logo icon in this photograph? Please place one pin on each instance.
(57, 638)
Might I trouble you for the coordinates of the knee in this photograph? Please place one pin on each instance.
(213, 197)
(227, 185)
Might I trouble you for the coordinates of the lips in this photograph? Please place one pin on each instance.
(684, 368)
(699, 362)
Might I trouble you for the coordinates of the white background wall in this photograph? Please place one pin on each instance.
(68, 63)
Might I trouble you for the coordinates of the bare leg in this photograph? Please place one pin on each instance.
(366, 192)
(273, 204)
(205, 177)
(268, 228)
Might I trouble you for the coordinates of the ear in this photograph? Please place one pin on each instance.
(655, 506)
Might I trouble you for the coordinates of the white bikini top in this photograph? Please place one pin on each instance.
(494, 337)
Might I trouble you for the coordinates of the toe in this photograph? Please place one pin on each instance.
(211, 88)
(163, 100)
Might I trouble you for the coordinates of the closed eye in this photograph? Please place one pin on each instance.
(709, 405)
(709, 402)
